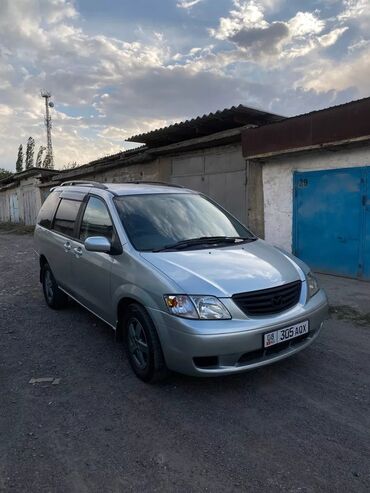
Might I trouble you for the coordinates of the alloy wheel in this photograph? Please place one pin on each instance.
(49, 289)
(137, 343)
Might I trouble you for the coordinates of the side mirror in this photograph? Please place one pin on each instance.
(98, 244)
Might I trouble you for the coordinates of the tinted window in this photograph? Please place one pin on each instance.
(96, 220)
(157, 220)
(46, 214)
(66, 215)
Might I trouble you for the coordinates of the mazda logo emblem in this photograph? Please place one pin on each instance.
(277, 300)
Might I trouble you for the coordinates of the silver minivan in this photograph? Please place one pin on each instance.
(182, 281)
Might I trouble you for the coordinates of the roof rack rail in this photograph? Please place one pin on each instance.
(83, 183)
(146, 182)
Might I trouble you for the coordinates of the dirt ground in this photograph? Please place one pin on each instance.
(302, 425)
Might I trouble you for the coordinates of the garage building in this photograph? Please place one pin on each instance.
(204, 154)
(315, 173)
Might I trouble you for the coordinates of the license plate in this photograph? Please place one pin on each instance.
(282, 335)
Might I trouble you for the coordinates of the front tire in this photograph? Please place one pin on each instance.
(142, 345)
(54, 297)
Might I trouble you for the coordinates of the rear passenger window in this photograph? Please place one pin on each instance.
(96, 220)
(65, 217)
(46, 214)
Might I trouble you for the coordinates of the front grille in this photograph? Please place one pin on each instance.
(269, 301)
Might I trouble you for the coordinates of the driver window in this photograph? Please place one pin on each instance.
(96, 220)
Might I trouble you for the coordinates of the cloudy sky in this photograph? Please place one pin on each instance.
(121, 67)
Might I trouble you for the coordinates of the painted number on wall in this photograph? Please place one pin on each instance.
(303, 182)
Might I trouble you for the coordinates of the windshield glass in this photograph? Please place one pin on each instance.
(155, 221)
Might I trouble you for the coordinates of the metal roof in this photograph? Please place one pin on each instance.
(27, 173)
(342, 123)
(234, 117)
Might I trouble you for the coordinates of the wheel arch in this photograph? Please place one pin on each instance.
(43, 261)
(122, 305)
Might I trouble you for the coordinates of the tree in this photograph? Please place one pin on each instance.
(29, 153)
(19, 163)
(47, 162)
(39, 157)
(4, 173)
(70, 165)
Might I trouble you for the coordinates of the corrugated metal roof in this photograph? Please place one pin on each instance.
(28, 172)
(113, 157)
(327, 108)
(234, 117)
(343, 122)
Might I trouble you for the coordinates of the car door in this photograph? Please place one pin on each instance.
(59, 242)
(90, 271)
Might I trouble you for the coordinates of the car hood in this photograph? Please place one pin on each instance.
(228, 270)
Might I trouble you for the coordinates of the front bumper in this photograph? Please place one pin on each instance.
(220, 347)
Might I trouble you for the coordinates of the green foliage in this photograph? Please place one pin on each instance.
(47, 162)
(39, 157)
(19, 163)
(4, 173)
(70, 165)
(29, 152)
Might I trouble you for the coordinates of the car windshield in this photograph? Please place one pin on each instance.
(159, 221)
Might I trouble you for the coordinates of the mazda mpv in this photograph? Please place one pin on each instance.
(182, 282)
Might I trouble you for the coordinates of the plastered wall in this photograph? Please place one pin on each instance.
(277, 176)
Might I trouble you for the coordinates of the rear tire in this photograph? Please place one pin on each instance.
(142, 345)
(54, 297)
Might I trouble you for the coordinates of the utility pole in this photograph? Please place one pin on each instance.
(48, 104)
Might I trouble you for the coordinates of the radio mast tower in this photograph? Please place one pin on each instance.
(49, 159)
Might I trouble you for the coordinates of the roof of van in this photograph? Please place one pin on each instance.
(133, 188)
(143, 188)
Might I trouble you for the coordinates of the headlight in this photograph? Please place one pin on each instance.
(181, 306)
(203, 307)
(210, 308)
(312, 285)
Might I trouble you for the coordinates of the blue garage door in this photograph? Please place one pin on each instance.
(331, 220)
(366, 244)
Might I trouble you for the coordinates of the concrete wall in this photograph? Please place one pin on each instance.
(5, 204)
(28, 198)
(152, 171)
(255, 195)
(277, 176)
(219, 172)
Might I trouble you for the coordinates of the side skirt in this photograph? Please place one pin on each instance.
(88, 309)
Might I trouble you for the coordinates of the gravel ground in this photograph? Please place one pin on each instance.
(299, 425)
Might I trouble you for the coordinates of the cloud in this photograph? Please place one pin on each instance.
(354, 9)
(171, 93)
(351, 72)
(107, 88)
(332, 37)
(262, 40)
(246, 15)
(305, 23)
(188, 4)
(269, 42)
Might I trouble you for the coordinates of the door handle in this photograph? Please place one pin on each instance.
(78, 251)
(67, 246)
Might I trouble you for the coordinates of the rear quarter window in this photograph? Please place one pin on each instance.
(47, 211)
(65, 217)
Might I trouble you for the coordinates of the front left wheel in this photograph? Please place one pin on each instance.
(142, 345)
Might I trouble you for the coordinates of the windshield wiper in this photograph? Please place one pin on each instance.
(205, 240)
